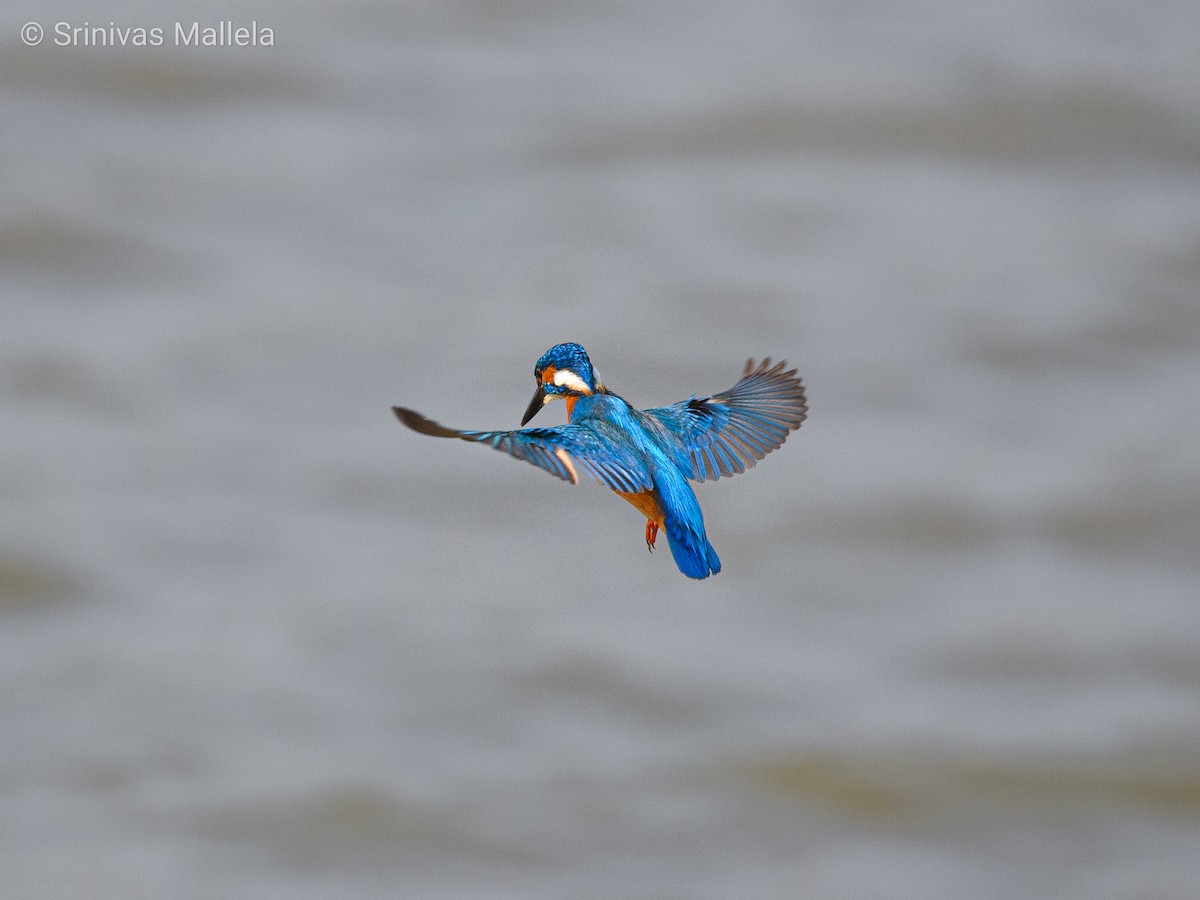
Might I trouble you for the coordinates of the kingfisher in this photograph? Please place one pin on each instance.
(648, 456)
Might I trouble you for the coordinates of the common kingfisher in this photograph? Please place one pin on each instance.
(647, 456)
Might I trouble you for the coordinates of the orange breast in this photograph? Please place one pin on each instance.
(644, 502)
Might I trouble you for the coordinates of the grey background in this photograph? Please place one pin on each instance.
(257, 640)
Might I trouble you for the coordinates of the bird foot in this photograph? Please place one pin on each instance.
(651, 534)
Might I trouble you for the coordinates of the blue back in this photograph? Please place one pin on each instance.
(619, 424)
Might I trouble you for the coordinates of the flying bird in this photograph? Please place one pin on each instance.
(648, 456)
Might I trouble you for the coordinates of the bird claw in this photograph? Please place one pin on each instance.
(651, 534)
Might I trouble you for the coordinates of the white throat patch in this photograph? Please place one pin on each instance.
(568, 379)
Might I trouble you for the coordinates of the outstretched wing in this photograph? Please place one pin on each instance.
(562, 451)
(729, 432)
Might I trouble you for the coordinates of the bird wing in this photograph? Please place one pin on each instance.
(561, 451)
(729, 432)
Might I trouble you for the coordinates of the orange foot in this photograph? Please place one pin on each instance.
(651, 534)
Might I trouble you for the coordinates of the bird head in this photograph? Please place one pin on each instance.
(562, 371)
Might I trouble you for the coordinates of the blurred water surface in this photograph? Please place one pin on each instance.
(257, 640)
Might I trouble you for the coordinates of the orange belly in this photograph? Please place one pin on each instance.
(646, 503)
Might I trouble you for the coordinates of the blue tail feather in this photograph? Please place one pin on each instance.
(684, 524)
(692, 552)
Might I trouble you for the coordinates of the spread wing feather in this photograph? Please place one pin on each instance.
(562, 451)
(729, 432)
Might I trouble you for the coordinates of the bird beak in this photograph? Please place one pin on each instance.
(539, 400)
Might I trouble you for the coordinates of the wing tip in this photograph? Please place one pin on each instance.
(765, 368)
(422, 425)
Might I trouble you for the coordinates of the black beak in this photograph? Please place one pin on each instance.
(538, 401)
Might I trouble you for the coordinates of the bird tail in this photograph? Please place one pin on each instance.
(684, 524)
(692, 552)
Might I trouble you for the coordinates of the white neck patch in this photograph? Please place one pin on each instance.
(568, 379)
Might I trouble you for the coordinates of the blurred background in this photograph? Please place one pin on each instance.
(257, 640)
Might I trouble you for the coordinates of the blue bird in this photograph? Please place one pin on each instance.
(648, 456)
